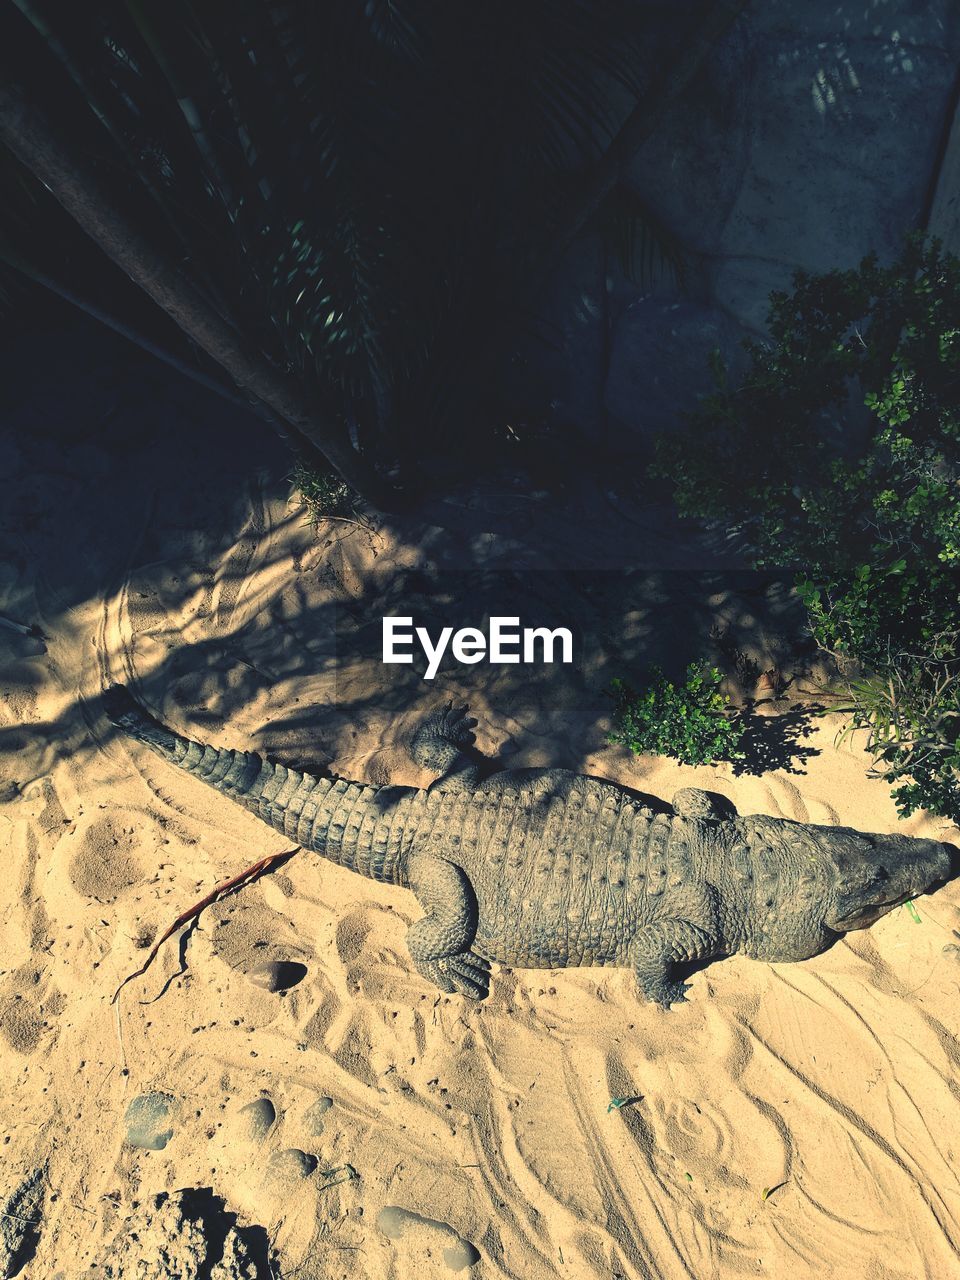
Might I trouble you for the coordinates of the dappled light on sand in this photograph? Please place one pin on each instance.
(306, 1073)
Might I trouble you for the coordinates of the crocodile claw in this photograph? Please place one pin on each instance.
(457, 726)
(672, 993)
(465, 973)
(470, 974)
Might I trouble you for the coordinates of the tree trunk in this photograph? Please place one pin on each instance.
(127, 331)
(30, 135)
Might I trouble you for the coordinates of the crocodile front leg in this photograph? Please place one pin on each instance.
(439, 943)
(444, 745)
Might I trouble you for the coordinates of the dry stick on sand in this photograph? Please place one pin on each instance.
(225, 886)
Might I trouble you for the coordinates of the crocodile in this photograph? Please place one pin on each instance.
(548, 869)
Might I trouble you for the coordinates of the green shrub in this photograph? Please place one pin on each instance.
(912, 720)
(689, 722)
(866, 513)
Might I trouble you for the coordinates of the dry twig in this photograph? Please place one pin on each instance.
(225, 886)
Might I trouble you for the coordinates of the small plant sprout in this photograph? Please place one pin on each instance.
(323, 493)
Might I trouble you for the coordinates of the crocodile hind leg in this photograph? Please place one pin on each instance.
(685, 933)
(439, 943)
(658, 948)
(444, 744)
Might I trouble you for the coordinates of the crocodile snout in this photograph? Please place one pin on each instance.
(951, 861)
(877, 873)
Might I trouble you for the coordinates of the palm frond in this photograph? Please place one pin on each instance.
(642, 243)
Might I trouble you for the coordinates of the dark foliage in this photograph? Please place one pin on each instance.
(868, 518)
(357, 188)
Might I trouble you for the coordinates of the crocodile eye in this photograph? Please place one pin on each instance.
(881, 875)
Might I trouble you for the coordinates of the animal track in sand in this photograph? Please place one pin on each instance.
(353, 929)
(26, 1007)
(253, 939)
(106, 861)
(41, 803)
(369, 942)
(320, 1024)
(352, 1053)
(232, 574)
(690, 1133)
(21, 1024)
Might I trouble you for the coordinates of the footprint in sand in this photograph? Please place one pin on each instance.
(27, 1004)
(106, 862)
(426, 1237)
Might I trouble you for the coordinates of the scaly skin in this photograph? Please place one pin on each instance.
(543, 868)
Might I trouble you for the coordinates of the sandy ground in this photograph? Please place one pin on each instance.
(359, 1123)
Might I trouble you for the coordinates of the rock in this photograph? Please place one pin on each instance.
(290, 1165)
(460, 1255)
(187, 1234)
(425, 1236)
(146, 1121)
(255, 1120)
(313, 1116)
(21, 1219)
(278, 975)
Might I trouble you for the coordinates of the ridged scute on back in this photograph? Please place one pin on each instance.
(559, 864)
(361, 827)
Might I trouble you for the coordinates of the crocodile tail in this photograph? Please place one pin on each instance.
(238, 774)
(351, 823)
(123, 711)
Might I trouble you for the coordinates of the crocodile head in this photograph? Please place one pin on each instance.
(872, 874)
